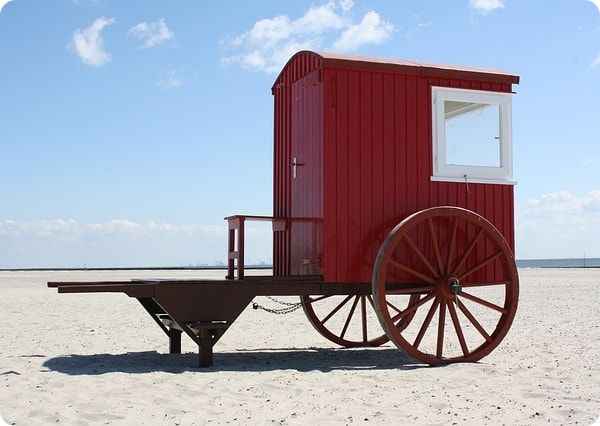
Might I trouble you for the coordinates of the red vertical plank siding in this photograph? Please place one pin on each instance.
(423, 158)
(378, 169)
(424, 165)
(366, 173)
(295, 234)
(330, 249)
(411, 144)
(354, 171)
(401, 143)
(434, 190)
(342, 174)
(388, 165)
(277, 190)
(319, 171)
(304, 157)
(317, 154)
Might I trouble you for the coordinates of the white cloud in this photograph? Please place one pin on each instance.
(559, 224)
(151, 34)
(596, 3)
(170, 80)
(269, 32)
(123, 242)
(3, 3)
(271, 41)
(319, 19)
(486, 6)
(88, 43)
(346, 5)
(371, 30)
(596, 61)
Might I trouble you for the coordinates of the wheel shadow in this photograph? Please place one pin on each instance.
(256, 360)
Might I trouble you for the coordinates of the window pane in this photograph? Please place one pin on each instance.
(472, 134)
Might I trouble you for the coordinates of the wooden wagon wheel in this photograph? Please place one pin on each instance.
(465, 267)
(356, 317)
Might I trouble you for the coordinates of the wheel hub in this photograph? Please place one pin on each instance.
(449, 287)
(455, 286)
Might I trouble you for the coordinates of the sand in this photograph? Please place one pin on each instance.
(99, 359)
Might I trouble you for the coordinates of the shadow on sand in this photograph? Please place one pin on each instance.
(299, 359)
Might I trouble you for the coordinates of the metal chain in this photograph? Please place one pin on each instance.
(281, 302)
(287, 309)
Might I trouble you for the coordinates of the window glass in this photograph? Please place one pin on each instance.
(472, 134)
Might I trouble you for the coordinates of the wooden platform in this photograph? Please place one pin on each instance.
(205, 309)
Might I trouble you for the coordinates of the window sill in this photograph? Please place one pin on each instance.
(472, 180)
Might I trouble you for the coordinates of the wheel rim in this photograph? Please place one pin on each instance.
(349, 320)
(469, 283)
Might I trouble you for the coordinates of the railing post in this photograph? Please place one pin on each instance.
(241, 248)
(230, 251)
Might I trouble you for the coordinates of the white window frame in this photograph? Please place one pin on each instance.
(442, 171)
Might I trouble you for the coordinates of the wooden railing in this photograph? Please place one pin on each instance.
(235, 250)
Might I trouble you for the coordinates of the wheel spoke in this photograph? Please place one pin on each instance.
(363, 309)
(469, 250)
(413, 308)
(481, 265)
(347, 323)
(482, 302)
(319, 298)
(457, 328)
(370, 299)
(337, 308)
(441, 323)
(413, 272)
(451, 248)
(393, 307)
(426, 323)
(420, 255)
(410, 289)
(473, 320)
(484, 284)
(436, 247)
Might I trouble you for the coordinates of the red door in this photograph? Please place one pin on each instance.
(307, 176)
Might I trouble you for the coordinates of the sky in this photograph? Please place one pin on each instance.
(128, 130)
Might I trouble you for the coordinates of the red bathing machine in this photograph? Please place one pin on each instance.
(393, 214)
(354, 151)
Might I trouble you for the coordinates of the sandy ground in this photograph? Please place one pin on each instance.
(99, 359)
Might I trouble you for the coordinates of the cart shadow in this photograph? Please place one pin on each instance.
(258, 360)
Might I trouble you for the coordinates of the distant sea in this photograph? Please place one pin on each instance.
(521, 263)
(559, 263)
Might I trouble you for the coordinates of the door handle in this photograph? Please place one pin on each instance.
(295, 164)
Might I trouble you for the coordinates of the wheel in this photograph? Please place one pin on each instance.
(463, 266)
(353, 317)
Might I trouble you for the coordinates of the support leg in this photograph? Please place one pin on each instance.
(174, 341)
(205, 349)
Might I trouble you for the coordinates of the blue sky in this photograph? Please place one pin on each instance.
(128, 130)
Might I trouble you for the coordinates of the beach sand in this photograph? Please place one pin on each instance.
(99, 359)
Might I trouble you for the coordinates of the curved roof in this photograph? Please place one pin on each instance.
(327, 59)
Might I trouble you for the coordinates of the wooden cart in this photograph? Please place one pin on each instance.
(393, 214)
